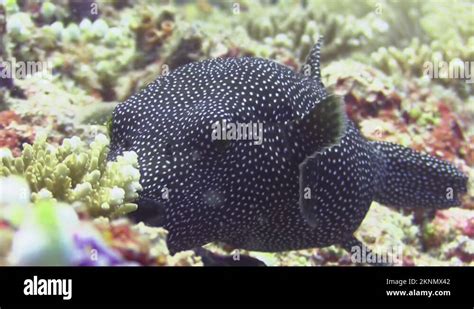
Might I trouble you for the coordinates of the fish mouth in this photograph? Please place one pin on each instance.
(150, 211)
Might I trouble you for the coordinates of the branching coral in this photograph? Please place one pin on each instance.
(282, 35)
(78, 174)
(111, 48)
(68, 45)
(417, 58)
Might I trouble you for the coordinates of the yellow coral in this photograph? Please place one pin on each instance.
(74, 173)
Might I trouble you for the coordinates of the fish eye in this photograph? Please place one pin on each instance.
(221, 145)
(168, 150)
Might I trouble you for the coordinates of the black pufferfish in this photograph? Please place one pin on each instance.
(309, 183)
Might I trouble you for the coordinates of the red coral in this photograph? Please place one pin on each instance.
(468, 228)
(5, 225)
(129, 243)
(290, 62)
(446, 139)
(10, 140)
(7, 117)
(11, 136)
(374, 104)
(455, 221)
(13, 140)
(461, 253)
(408, 261)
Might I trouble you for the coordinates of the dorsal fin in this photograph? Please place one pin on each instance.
(312, 66)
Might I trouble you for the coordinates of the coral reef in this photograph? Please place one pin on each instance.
(13, 132)
(415, 60)
(62, 237)
(375, 56)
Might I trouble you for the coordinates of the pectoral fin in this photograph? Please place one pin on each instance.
(337, 186)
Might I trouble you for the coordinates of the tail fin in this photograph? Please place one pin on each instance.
(411, 179)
